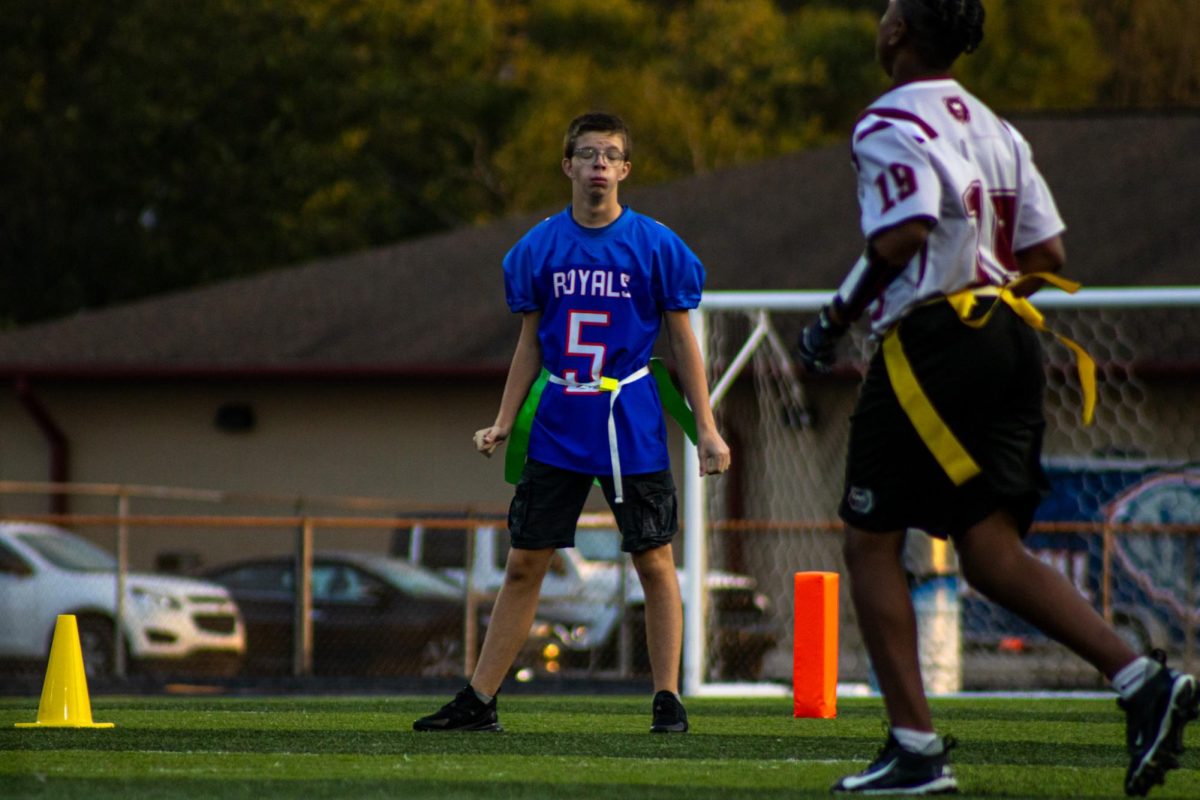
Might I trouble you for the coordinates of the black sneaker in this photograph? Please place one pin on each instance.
(899, 771)
(669, 716)
(466, 712)
(1154, 720)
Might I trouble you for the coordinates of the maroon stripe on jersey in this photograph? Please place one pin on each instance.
(876, 128)
(901, 114)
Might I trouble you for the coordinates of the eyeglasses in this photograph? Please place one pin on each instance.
(611, 155)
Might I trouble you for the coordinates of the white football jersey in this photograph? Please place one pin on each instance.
(931, 150)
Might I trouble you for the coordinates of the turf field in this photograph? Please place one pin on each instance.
(555, 747)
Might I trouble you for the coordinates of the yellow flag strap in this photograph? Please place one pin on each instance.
(937, 436)
(964, 302)
(949, 452)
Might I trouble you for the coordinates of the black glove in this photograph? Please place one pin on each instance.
(818, 342)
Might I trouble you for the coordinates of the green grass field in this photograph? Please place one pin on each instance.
(555, 747)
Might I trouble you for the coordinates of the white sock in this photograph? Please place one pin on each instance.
(1133, 675)
(483, 698)
(916, 741)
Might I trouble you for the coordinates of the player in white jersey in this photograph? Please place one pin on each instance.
(929, 150)
(947, 432)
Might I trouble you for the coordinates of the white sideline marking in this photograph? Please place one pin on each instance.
(742, 690)
(767, 689)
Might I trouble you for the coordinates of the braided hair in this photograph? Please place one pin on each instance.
(944, 29)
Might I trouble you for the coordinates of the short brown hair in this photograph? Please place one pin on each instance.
(596, 122)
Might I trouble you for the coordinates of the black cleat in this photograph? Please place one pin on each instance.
(899, 771)
(1154, 720)
(466, 712)
(669, 716)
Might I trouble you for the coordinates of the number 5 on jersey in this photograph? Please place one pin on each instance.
(577, 346)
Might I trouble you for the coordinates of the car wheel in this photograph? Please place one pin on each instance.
(96, 644)
(442, 658)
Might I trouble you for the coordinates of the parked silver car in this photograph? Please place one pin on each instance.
(174, 624)
(590, 589)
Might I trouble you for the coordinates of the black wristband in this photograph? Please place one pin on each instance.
(826, 319)
(866, 281)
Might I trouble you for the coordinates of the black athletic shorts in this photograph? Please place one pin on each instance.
(549, 500)
(987, 385)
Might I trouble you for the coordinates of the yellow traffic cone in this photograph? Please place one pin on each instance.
(65, 701)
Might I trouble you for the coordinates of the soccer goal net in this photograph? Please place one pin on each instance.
(1120, 521)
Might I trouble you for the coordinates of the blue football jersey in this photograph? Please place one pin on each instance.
(602, 293)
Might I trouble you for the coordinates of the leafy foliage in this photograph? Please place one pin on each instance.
(1153, 46)
(147, 146)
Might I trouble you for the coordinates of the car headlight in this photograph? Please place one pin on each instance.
(155, 600)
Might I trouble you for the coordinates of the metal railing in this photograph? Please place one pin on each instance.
(304, 527)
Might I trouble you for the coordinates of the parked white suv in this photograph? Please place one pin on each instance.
(582, 596)
(181, 625)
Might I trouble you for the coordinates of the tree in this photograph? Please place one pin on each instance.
(152, 145)
(148, 146)
(714, 84)
(1155, 47)
(1037, 54)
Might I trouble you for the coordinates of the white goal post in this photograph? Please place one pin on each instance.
(1146, 342)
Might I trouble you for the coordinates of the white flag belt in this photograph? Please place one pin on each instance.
(613, 387)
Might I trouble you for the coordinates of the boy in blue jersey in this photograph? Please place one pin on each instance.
(594, 284)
